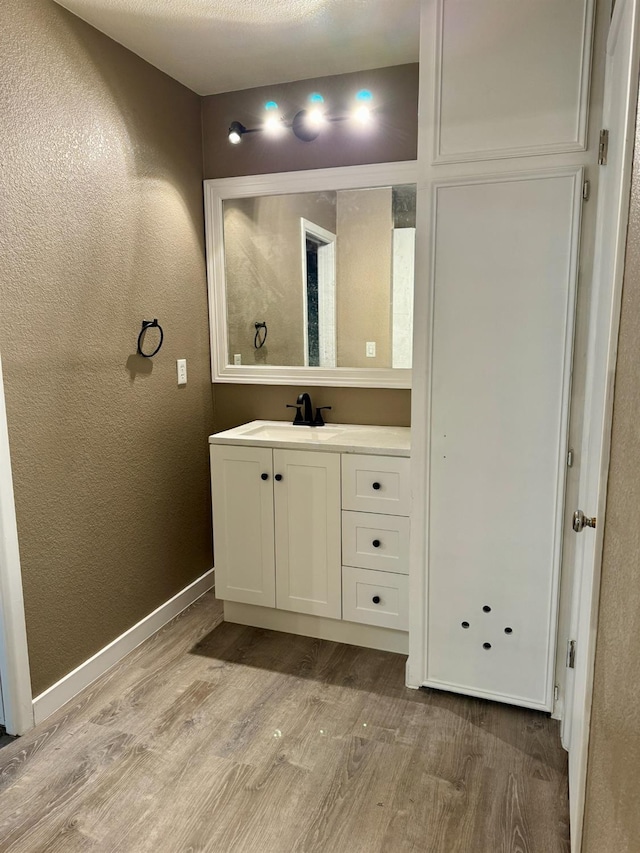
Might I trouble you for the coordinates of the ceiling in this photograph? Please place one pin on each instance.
(217, 46)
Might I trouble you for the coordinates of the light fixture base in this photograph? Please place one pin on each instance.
(301, 127)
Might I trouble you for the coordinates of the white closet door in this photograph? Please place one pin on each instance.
(505, 253)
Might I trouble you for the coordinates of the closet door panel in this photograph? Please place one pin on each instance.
(505, 266)
(511, 78)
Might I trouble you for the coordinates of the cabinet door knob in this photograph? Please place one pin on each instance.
(376, 543)
(278, 477)
(376, 599)
(264, 476)
(376, 486)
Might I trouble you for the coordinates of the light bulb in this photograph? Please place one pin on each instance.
(273, 125)
(315, 117)
(235, 132)
(362, 114)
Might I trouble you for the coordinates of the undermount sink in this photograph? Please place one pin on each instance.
(289, 432)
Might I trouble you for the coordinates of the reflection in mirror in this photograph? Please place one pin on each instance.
(330, 273)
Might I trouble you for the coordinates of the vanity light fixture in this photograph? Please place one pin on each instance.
(235, 132)
(307, 123)
(362, 110)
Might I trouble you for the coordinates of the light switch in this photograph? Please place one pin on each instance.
(182, 371)
(371, 349)
(237, 358)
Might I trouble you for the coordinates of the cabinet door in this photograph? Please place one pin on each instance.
(243, 524)
(307, 504)
(505, 270)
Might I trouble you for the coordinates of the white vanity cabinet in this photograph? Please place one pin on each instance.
(277, 528)
(310, 536)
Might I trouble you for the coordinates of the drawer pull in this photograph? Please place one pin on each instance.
(376, 599)
(278, 477)
(264, 476)
(376, 543)
(376, 486)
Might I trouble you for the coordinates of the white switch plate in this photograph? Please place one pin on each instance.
(181, 365)
(237, 358)
(371, 349)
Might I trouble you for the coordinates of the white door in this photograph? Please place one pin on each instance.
(16, 705)
(243, 539)
(308, 547)
(621, 85)
(324, 298)
(502, 346)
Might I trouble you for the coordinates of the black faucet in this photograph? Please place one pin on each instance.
(306, 419)
(305, 400)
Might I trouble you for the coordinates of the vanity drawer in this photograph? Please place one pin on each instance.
(375, 598)
(376, 484)
(374, 541)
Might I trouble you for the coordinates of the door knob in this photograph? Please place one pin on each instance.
(580, 521)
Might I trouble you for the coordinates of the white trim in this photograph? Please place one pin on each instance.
(14, 656)
(577, 145)
(422, 357)
(215, 193)
(596, 443)
(62, 691)
(308, 625)
(326, 292)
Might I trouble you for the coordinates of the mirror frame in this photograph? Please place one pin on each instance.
(216, 191)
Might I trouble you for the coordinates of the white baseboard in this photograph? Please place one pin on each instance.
(55, 696)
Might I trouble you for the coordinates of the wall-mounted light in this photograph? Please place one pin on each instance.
(307, 123)
(362, 109)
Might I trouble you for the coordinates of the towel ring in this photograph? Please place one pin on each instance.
(149, 324)
(260, 337)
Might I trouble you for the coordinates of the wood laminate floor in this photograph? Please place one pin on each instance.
(218, 738)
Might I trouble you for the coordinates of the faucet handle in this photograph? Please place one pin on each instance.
(319, 420)
(298, 416)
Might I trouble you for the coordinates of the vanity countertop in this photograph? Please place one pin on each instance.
(334, 438)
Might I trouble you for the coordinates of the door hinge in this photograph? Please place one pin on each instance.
(570, 459)
(586, 190)
(603, 148)
(571, 654)
(556, 692)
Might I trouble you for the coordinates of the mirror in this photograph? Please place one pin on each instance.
(311, 276)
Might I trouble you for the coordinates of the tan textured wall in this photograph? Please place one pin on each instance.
(263, 263)
(365, 224)
(395, 138)
(101, 227)
(612, 817)
(237, 404)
